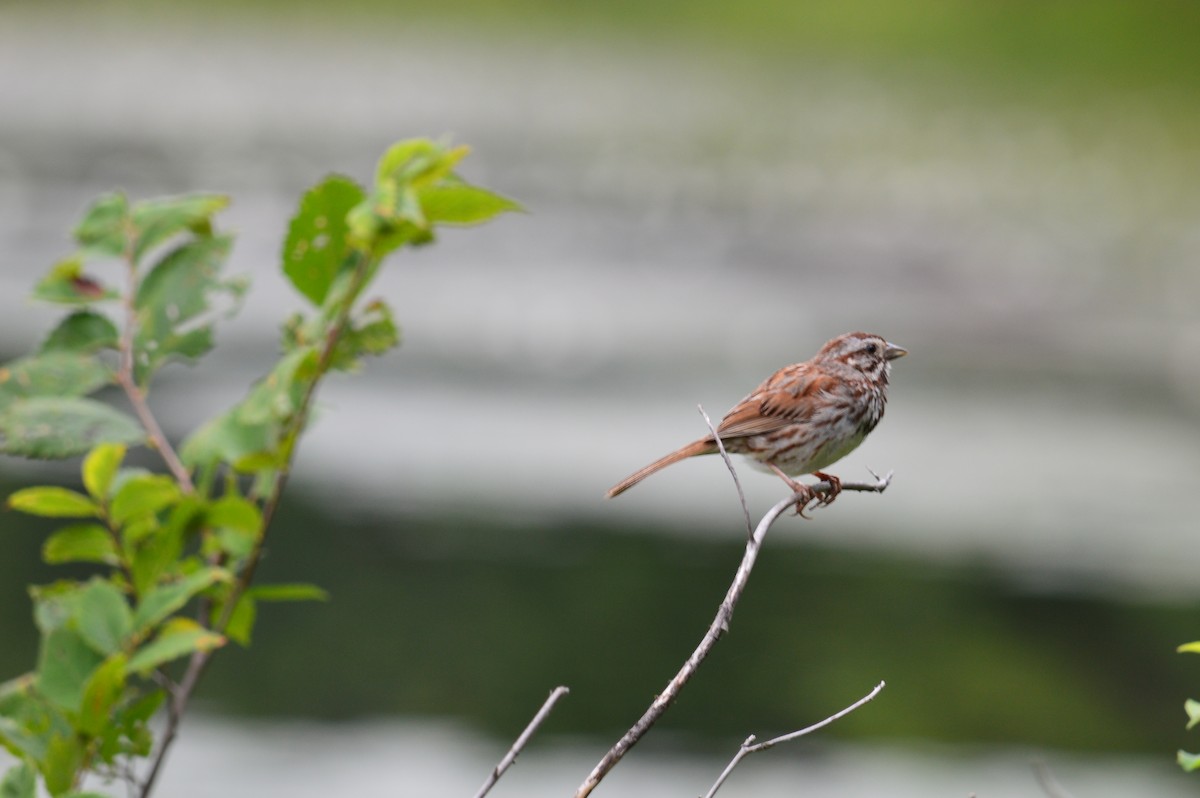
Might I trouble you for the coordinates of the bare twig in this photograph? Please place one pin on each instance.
(751, 747)
(514, 752)
(732, 472)
(718, 627)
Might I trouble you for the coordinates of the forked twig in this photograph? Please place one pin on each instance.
(737, 483)
(751, 747)
(514, 752)
(718, 627)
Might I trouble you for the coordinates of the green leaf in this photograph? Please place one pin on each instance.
(104, 225)
(164, 600)
(234, 512)
(241, 621)
(289, 592)
(64, 758)
(174, 304)
(80, 543)
(54, 604)
(102, 616)
(27, 719)
(1189, 648)
(52, 374)
(53, 502)
(22, 719)
(143, 495)
(157, 556)
(1188, 762)
(179, 637)
(316, 246)
(64, 666)
(84, 331)
(52, 427)
(463, 204)
(1192, 708)
(158, 219)
(101, 693)
(236, 524)
(417, 161)
(99, 468)
(66, 284)
(19, 782)
(372, 331)
(256, 424)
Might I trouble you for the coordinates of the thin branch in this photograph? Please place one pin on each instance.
(515, 751)
(179, 697)
(137, 397)
(732, 472)
(718, 627)
(750, 747)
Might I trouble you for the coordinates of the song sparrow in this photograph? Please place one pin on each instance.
(805, 417)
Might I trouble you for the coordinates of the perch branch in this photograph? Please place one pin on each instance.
(718, 627)
(515, 751)
(751, 747)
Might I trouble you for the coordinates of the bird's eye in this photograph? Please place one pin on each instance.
(871, 349)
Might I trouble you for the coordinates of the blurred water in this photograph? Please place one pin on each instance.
(425, 759)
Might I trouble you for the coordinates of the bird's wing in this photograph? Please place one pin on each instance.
(788, 396)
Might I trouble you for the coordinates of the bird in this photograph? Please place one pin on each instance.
(804, 417)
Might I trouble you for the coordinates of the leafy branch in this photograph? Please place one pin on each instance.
(179, 551)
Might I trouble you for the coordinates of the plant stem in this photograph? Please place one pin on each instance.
(125, 378)
(180, 696)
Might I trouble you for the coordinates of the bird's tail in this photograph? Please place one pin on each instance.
(702, 446)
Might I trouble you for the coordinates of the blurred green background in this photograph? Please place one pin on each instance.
(1009, 189)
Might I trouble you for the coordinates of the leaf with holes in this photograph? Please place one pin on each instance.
(55, 374)
(175, 304)
(51, 427)
(316, 248)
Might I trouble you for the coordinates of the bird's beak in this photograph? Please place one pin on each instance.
(892, 352)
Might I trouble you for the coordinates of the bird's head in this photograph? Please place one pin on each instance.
(870, 354)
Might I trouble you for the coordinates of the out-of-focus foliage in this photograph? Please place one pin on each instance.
(167, 542)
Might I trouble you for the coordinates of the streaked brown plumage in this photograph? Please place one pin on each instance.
(805, 417)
